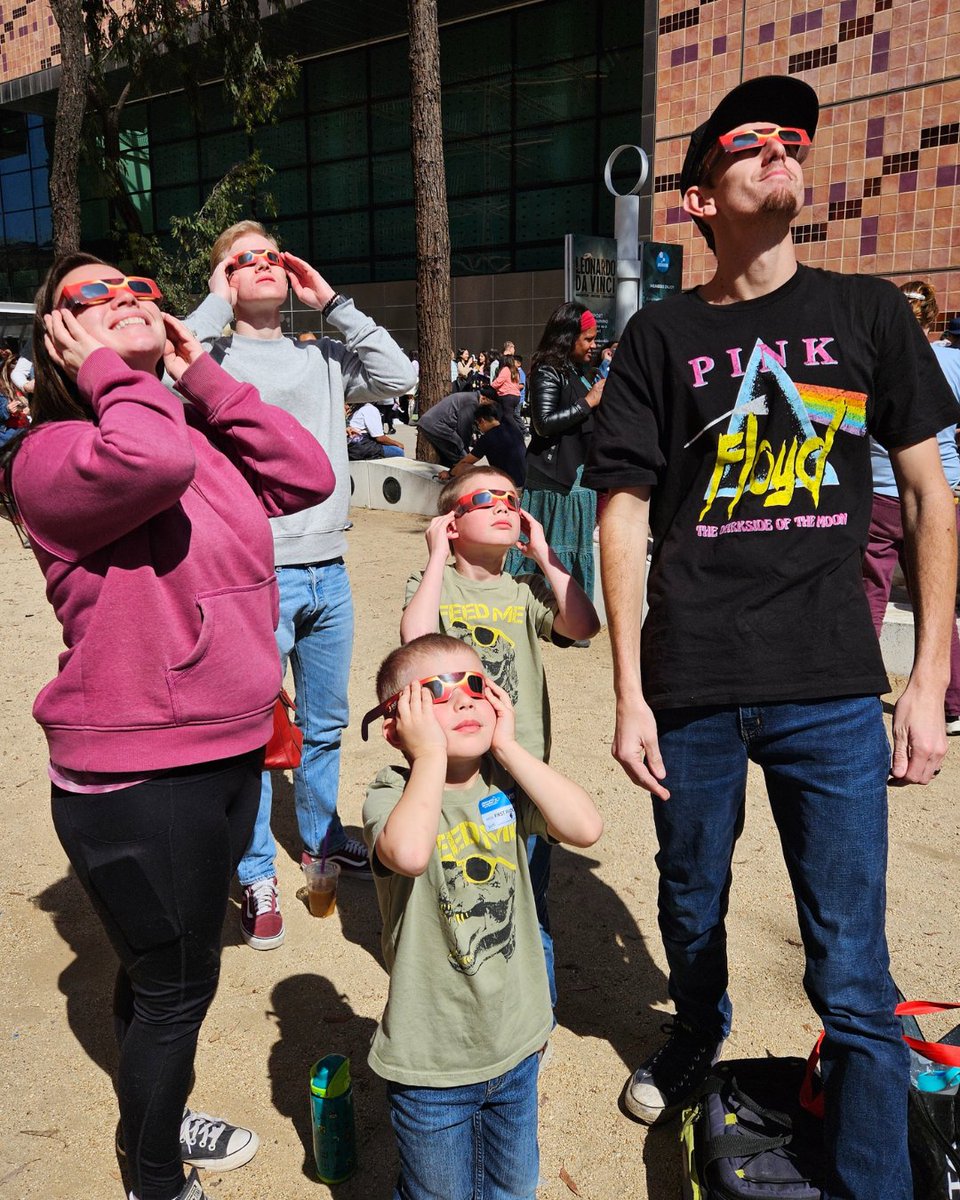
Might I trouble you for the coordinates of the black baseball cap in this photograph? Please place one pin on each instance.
(780, 98)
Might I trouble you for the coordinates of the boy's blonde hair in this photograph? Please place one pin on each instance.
(407, 662)
(455, 488)
(221, 247)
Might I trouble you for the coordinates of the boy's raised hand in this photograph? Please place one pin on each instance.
(440, 533)
(309, 285)
(417, 729)
(536, 546)
(505, 731)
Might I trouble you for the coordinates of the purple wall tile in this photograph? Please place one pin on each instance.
(868, 245)
(948, 176)
(693, 51)
(674, 215)
(802, 22)
(875, 126)
(874, 147)
(908, 181)
(798, 23)
(676, 56)
(881, 48)
(815, 19)
(838, 192)
(807, 197)
(869, 225)
(766, 33)
(720, 45)
(848, 10)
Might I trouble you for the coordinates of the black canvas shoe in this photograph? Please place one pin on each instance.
(669, 1076)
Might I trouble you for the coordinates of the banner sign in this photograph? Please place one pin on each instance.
(661, 268)
(590, 278)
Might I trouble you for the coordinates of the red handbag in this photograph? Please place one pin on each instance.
(284, 750)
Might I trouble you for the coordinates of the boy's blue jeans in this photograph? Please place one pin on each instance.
(315, 634)
(825, 765)
(475, 1142)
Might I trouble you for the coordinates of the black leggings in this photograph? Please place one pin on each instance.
(156, 859)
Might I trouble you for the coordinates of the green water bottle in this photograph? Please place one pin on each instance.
(331, 1110)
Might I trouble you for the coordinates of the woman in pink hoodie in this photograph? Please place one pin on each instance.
(147, 513)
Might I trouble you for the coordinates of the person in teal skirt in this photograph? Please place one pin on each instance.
(562, 398)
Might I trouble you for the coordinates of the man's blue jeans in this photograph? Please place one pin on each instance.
(825, 765)
(315, 634)
(393, 452)
(476, 1142)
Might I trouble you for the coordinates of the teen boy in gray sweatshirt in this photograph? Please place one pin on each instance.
(311, 380)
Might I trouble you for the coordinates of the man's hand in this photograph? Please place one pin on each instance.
(505, 731)
(309, 285)
(637, 750)
(181, 349)
(440, 533)
(919, 736)
(220, 285)
(418, 730)
(536, 546)
(67, 342)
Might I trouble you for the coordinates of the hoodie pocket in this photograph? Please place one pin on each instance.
(233, 669)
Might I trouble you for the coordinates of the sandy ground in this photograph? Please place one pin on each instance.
(324, 989)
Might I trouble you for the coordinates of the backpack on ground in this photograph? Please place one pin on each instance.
(746, 1137)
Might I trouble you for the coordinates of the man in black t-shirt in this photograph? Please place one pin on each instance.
(733, 427)
(499, 442)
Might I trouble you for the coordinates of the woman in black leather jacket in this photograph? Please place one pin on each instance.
(562, 399)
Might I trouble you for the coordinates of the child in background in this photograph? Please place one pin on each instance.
(498, 615)
(458, 1049)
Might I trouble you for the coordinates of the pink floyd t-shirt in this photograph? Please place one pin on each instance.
(750, 421)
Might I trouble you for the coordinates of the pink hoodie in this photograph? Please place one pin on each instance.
(153, 538)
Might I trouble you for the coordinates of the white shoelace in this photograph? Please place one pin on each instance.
(200, 1128)
(264, 894)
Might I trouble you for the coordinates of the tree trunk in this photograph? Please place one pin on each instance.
(430, 211)
(71, 106)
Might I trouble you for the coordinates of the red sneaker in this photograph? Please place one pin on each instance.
(261, 921)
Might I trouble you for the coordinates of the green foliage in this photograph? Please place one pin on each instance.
(183, 272)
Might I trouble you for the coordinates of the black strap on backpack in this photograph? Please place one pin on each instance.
(742, 1145)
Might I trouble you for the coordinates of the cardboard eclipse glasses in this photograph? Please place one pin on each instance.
(440, 687)
(98, 291)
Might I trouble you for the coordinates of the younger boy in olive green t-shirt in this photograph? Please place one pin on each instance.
(468, 1007)
(473, 599)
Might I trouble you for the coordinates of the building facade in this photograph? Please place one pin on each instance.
(535, 95)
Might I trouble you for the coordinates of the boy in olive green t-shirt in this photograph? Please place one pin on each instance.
(473, 599)
(468, 1007)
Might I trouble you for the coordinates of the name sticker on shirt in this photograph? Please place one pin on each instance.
(496, 811)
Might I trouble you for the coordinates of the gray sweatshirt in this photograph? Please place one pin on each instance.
(312, 380)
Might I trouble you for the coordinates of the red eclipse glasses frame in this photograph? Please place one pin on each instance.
(440, 687)
(247, 258)
(485, 498)
(98, 291)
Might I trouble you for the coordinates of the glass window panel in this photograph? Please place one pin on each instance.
(553, 212)
(19, 226)
(218, 154)
(94, 219)
(174, 163)
(350, 273)
(175, 202)
(342, 236)
(296, 102)
(393, 231)
(143, 203)
(14, 147)
(390, 120)
(24, 282)
(546, 32)
(480, 221)
(339, 134)
(398, 268)
(135, 159)
(623, 130)
(340, 185)
(476, 108)
(171, 117)
(555, 154)
(390, 69)
(40, 181)
(622, 23)
(282, 145)
(539, 258)
(487, 262)
(337, 81)
(621, 79)
(215, 110)
(293, 235)
(16, 192)
(471, 51)
(560, 92)
(392, 177)
(289, 190)
(36, 137)
(479, 166)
